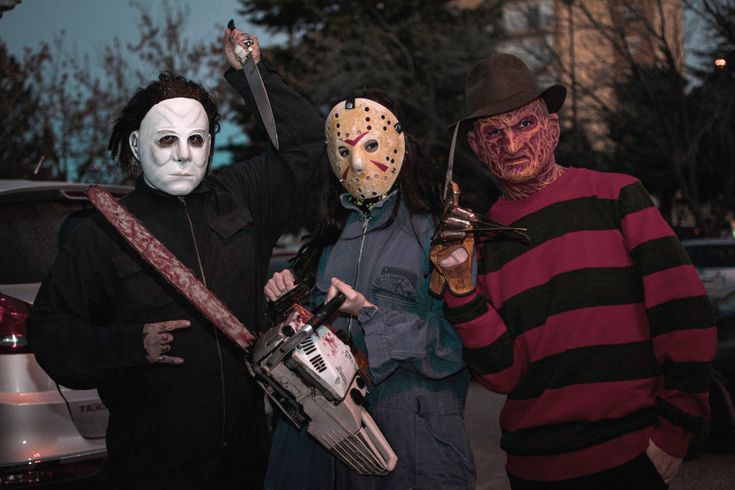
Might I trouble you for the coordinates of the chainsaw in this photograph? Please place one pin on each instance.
(306, 369)
(314, 378)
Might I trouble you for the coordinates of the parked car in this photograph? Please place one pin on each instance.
(714, 259)
(722, 388)
(49, 433)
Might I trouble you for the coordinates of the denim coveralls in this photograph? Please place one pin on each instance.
(415, 361)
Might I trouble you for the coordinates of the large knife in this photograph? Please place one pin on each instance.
(256, 87)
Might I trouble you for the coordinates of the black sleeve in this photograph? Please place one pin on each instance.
(274, 183)
(69, 328)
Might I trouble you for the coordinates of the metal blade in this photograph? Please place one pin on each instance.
(261, 99)
(252, 75)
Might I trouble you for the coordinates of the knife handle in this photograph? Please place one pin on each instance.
(241, 53)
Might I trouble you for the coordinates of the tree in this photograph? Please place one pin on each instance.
(717, 87)
(650, 114)
(70, 102)
(669, 126)
(23, 131)
(419, 51)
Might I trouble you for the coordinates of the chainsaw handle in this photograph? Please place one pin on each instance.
(323, 313)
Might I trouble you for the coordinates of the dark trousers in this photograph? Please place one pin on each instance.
(638, 473)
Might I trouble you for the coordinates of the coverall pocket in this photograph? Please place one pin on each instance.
(228, 225)
(448, 459)
(395, 287)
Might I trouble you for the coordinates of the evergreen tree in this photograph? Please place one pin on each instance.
(419, 51)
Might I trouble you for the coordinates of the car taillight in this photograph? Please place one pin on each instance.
(53, 472)
(13, 316)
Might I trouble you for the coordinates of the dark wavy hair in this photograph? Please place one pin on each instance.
(419, 185)
(168, 86)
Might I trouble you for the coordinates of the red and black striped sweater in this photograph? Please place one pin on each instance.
(599, 331)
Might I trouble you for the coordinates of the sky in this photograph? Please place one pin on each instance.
(91, 24)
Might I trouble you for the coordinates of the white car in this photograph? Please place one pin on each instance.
(48, 433)
(714, 259)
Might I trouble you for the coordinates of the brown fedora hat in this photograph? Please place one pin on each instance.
(501, 83)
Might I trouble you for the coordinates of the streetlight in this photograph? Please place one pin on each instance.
(720, 63)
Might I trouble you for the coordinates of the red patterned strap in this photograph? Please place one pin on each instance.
(176, 273)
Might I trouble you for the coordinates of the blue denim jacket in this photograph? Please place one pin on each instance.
(408, 342)
(414, 355)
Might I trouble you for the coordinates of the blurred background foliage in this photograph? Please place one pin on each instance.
(673, 125)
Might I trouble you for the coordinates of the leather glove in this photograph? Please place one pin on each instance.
(453, 245)
(452, 267)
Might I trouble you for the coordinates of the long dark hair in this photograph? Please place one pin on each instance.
(419, 186)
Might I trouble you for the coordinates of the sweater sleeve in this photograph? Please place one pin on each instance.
(489, 350)
(68, 329)
(275, 182)
(680, 317)
(426, 343)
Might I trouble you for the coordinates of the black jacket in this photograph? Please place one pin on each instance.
(170, 426)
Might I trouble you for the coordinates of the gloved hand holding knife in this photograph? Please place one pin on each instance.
(243, 53)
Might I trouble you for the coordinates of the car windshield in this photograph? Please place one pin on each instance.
(30, 242)
(712, 255)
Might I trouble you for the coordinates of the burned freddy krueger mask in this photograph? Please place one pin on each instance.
(517, 146)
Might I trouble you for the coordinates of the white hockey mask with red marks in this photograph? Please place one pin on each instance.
(366, 146)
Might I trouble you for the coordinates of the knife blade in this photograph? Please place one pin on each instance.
(252, 75)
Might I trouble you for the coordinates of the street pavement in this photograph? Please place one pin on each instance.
(705, 472)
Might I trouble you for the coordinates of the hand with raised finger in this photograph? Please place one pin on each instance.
(158, 338)
(354, 299)
(278, 285)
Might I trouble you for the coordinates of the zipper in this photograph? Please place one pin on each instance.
(365, 222)
(216, 332)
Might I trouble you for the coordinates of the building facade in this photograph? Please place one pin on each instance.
(587, 45)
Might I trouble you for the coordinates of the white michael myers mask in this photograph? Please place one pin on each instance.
(366, 146)
(172, 145)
